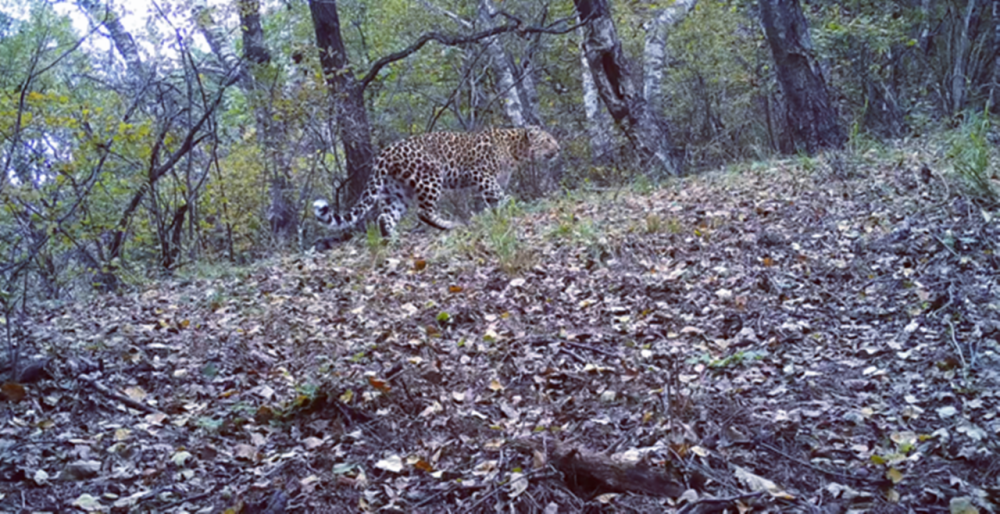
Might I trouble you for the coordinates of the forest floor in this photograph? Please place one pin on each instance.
(806, 335)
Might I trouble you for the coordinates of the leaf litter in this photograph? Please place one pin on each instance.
(775, 340)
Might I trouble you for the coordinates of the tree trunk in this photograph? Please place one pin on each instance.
(598, 120)
(996, 56)
(122, 39)
(215, 35)
(281, 212)
(507, 88)
(616, 86)
(516, 91)
(655, 51)
(528, 91)
(958, 74)
(811, 117)
(925, 27)
(348, 95)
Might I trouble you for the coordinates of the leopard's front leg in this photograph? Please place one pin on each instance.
(492, 193)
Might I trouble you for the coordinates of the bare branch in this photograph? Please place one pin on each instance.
(452, 40)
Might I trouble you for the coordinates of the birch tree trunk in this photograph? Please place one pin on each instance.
(598, 119)
(655, 50)
(810, 115)
(958, 74)
(511, 88)
(507, 88)
(281, 212)
(217, 41)
(120, 37)
(617, 88)
(529, 93)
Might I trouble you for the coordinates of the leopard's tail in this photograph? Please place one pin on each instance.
(348, 221)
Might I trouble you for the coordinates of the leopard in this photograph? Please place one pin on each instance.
(416, 171)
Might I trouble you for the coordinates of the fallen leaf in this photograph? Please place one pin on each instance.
(245, 452)
(180, 458)
(41, 477)
(962, 505)
(379, 384)
(393, 464)
(12, 391)
(518, 484)
(88, 503)
(136, 393)
(80, 470)
(756, 482)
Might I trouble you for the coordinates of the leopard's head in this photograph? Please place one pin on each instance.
(541, 144)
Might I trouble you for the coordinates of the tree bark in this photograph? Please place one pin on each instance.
(598, 120)
(811, 117)
(216, 38)
(617, 88)
(348, 95)
(512, 89)
(960, 58)
(655, 50)
(996, 56)
(507, 88)
(281, 212)
(122, 39)
(925, 27)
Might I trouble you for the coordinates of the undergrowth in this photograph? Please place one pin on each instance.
(971, 155)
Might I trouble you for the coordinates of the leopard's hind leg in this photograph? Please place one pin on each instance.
(392, 206)
(427, 194)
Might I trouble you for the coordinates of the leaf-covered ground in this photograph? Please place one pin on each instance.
(796, 336)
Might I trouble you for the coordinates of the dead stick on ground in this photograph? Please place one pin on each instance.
(693, 507)
(101, 388)
(588, 347)
(810, 465)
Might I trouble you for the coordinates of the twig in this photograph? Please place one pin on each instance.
(435, 496)
(573, 354)
(946, 247)
(587, 347)
(500, 487)
(817, 468)
(101, 388)
(181, 501)
(958, 349)
(496, 490)
(690, 507)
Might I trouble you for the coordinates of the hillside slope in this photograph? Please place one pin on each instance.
(792, 335)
